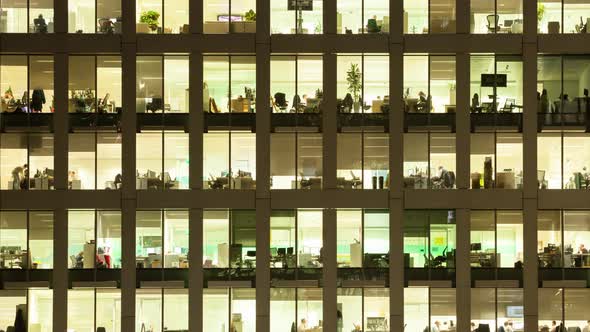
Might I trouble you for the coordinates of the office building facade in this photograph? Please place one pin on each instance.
(272, 165)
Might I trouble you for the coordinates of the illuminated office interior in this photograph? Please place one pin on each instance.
(294, 165)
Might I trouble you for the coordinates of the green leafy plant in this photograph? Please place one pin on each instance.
(319, 94)
(150, 18)
(250, 16)
(540, 11)
(353, 78)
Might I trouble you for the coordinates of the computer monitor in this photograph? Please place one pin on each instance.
(290, 251)
(483, 328)
(273, 251)
(300, 5)
(475, 246)
(282, 251)
(251, 253)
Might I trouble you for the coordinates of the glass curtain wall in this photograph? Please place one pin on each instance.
(162, 160)
(429, 16)
(296, 17)
(162, 239)
(496, 161)
(563, 160)
(362, 86)
(296, 83)
(563, 308)
(95, 16)
(95, 84)
(496, 83)
(493, 308)
(563, 238)
(229, 83)
(567, 16)
(26, 161)
(296, 160)
(229, 309)
(26, 240)
(429, 161)
(429, 309)
(229, 160)
(496, 239)
(161, 16)
(362, 161)
(162, 84)
(94, 309)
(430, 84)
(362, 16)
(22, 16)
(496, 16)
(229, 16)
(161, 309)
(429, 239)
(229, 239)
(35, 305)
(26, 83)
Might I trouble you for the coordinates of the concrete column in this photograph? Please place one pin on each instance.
(396, 21)
(396, 264)
(195, 282)
(262, 23)
(196, 16)
(196, 121)
(128, 121)
(128, 281)
(463, 270)
(530, 272)
(128, 8)
(329, 270)
(463, 131)
(530, 25)
(329, 21)
(530, 120)
(263, 213)
(60, 270)
(396, 121)
(60, 122)
(329, 122)
(263, 114)
(60, 16)
(463, 16)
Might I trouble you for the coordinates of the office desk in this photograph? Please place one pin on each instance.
(581, 260)
(13, 260)
(484, 259)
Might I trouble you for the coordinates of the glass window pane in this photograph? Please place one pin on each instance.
(482, 17)
(15, 17)
(216, 75)
(349, 161)
(216, 312)
(176, 238)
(243, 310)
(576, 238)
(549, 85)
(415, 238)
(375, 161)
(108, 234)
(243, 239)
(282, 239)
(416, 84)
(442, 161)
(550, 307)
(13, 161)
(442, 239)
(416, 161)
(243, 83)
(576, 154)
(483, 243)
(349, 83)
(108, 309)
(549, 239)
(309, 82)
(216, 150)
(13, 236)
(110, 16)
(510, 251)
(13, 82)
(282, 161)
(41, 16)
(81, 239)
(442, 16)
(148, 310)
(442, 84)
(243, 160)
(81, 16)
(483, 307)
(10, 302)
(575, 302)
(482, 160)
(416, 16)
(108, 161)
(549, 154)
(443, 308)
(376, 236)
(350, 309)
(148, 16)
(375, 83)
(282, 309)
(176, 91)
(416, 308)
(175, 160)
(40, 161)
(149, 94)
(176, 16)
(283, 81)
(309, 307)
(40, 309)
(148, 159)
(176, 312)
(41, 239)
(376, 309)
(109, 83)
(309, 238)
(309, 161)
(41, 82)
(349, 235)
(81, 310)
(148, 239)
(509, 161)
(575, 14)
(81, 159)
(216, 239)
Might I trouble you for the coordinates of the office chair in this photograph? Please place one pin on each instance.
(101, 329)
(157, 104)
(493, 23)
(508, 105)
(280, 101)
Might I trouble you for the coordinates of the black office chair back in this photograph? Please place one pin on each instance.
(280, 99)
(493, 22)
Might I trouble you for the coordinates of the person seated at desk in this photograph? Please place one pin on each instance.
(587, 327)
(302, 326)
(582, 249)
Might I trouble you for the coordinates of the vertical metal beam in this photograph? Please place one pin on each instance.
(128, 8)
(60, 16)
(463, 270)
(263, 118)
(530, 120)
(396, 121)
(329, 122)
(396, 265)
(128, 121)
(329, 270)
(329, 19)
(60, 122)
(530, 271)
(196, 120)
(263, 213)
(463, 16)
(262, 23)
(462, 115)
(196, 16)
(195, 282)
(60, 270)
(128, 273)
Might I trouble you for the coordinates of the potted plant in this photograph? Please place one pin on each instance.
(82, 100)
(540, 14)
(353, 78)
(250, 16)
(150, 18)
